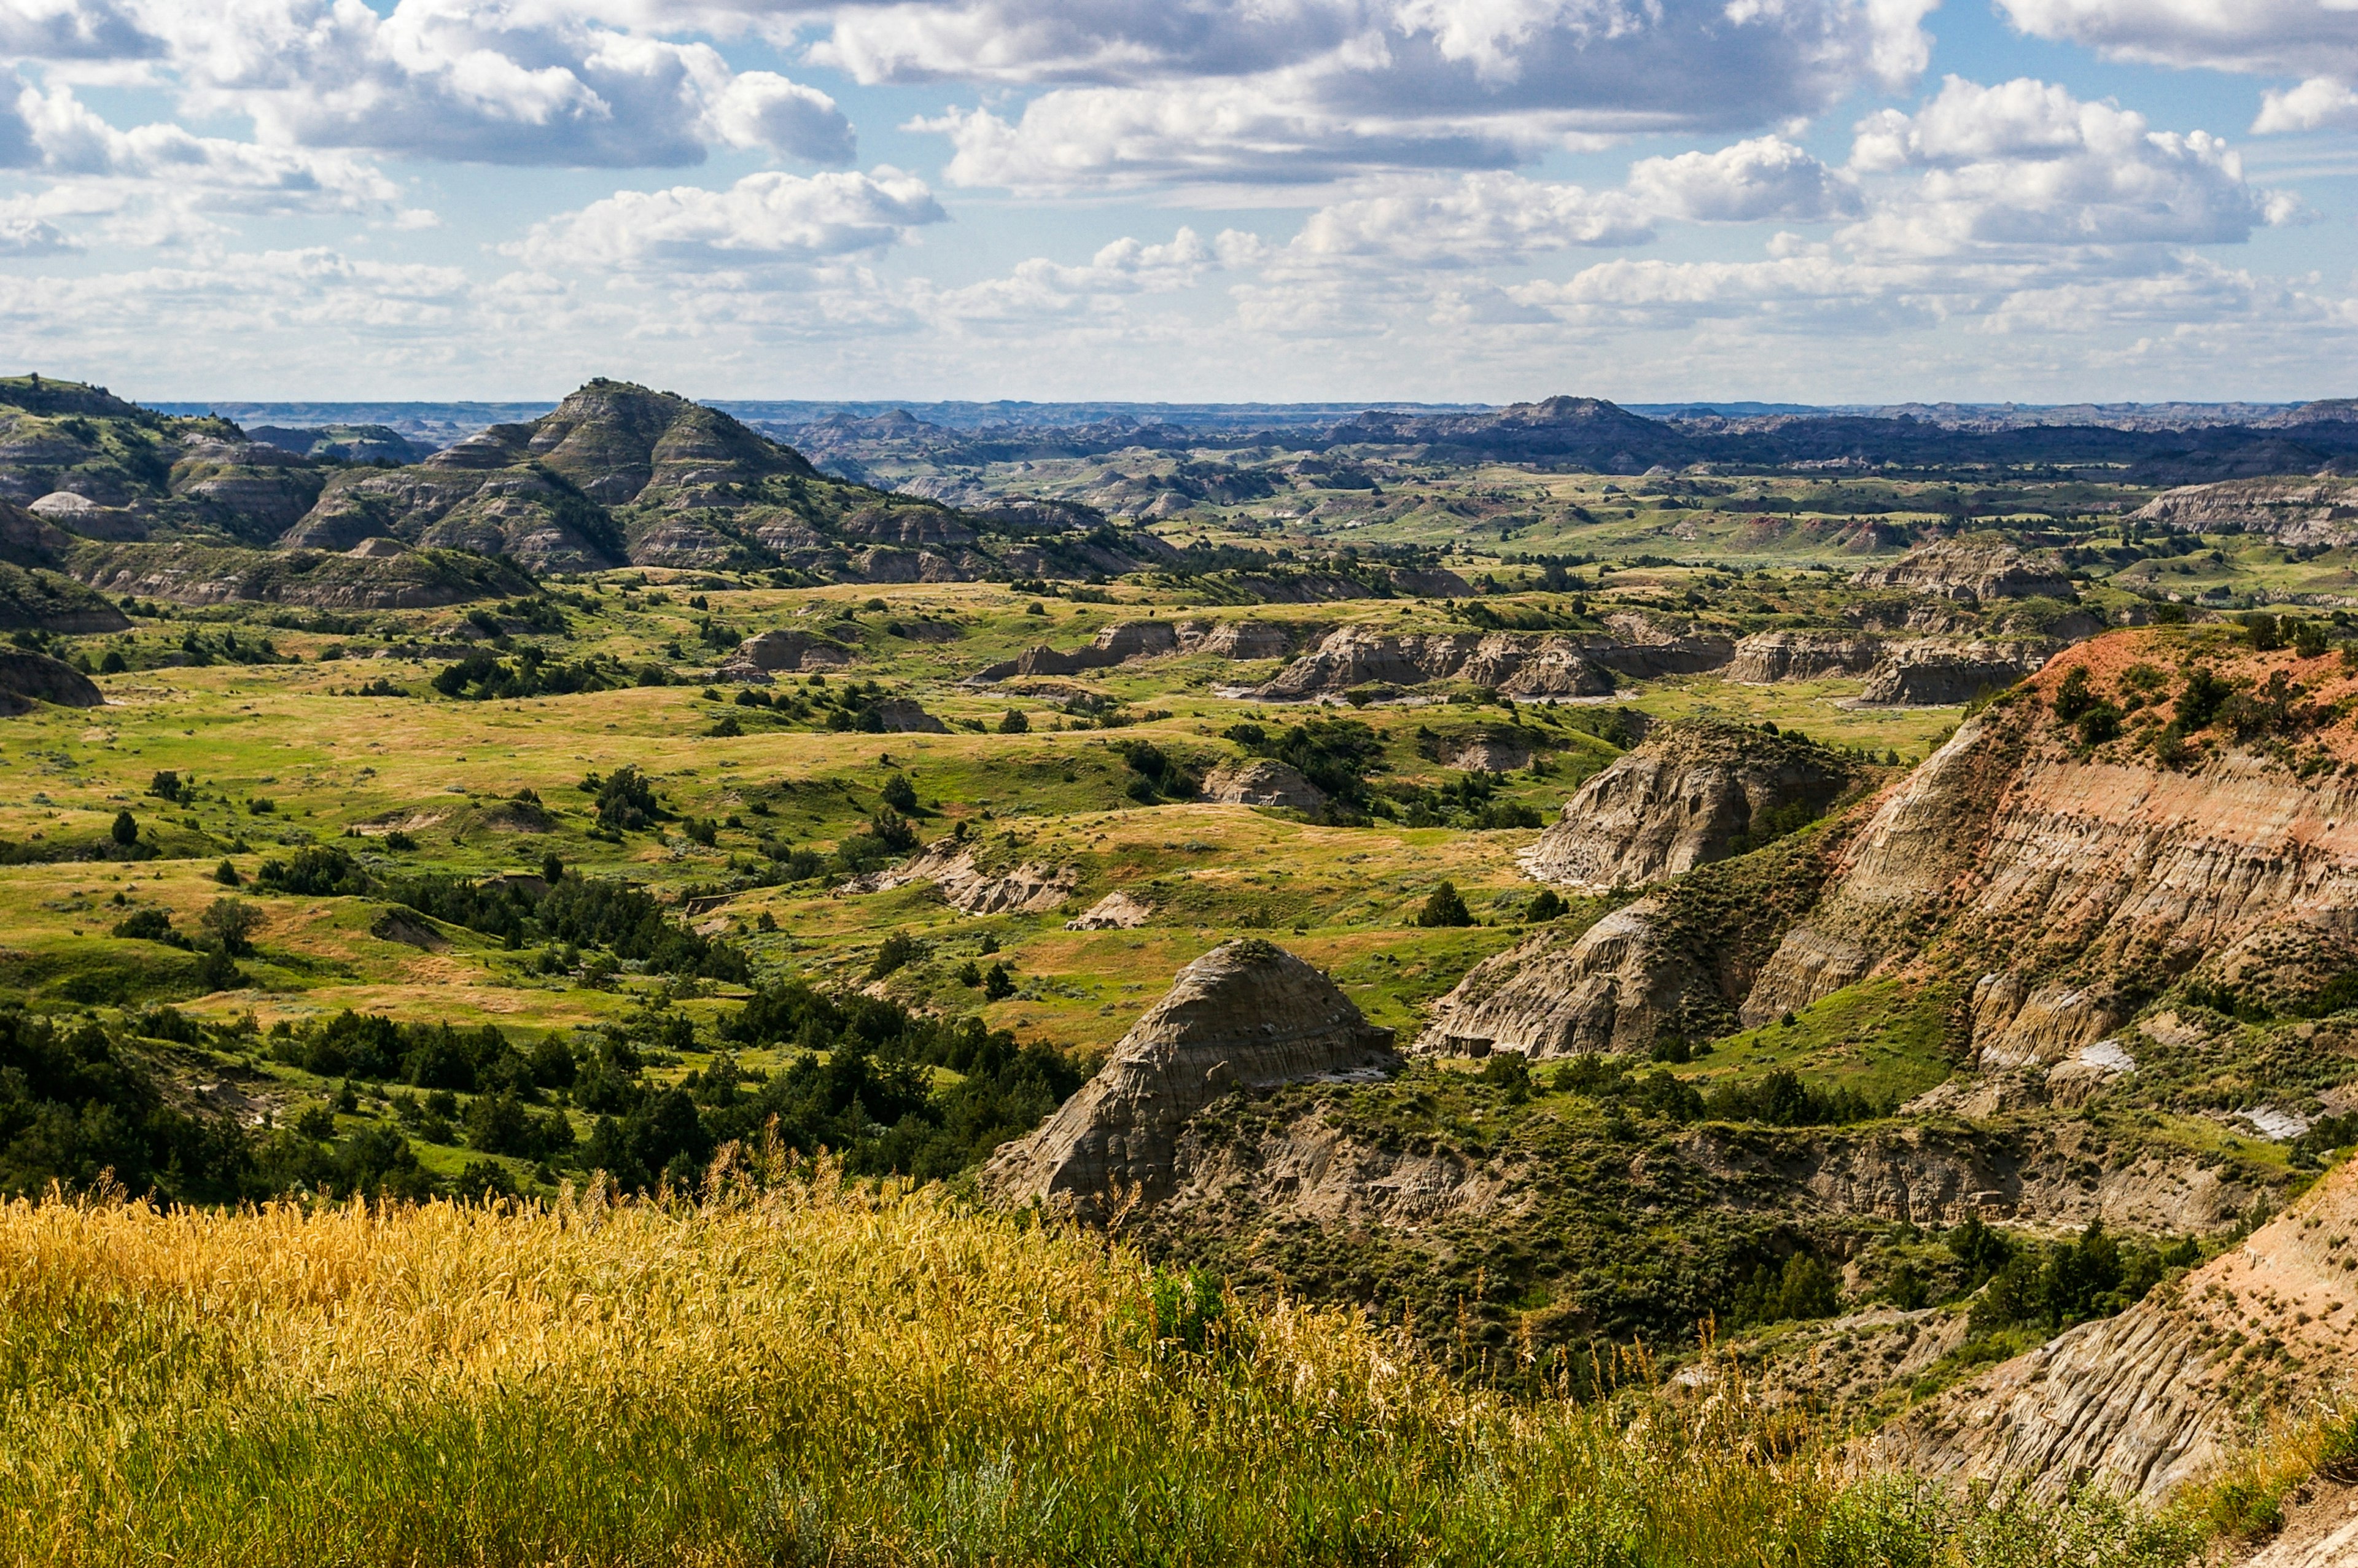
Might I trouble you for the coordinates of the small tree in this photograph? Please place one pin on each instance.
(126, 830)
(900, 793)
(1444, 908)
(230, 922)
(226, 874)
(1546, 904)
(998, 984)
(1015, 723)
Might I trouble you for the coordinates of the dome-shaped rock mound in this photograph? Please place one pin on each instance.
(28, 677)
(1263, 782)
(1696, 791)
(1246, 1015)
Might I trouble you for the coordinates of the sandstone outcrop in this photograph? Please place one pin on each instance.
(1491, 755)
(2319, 511)
(1612, 989)
(1692, 792)
(1521, 665)
(1248, 1015)
(1249, 639)
(1942, 674)
(27, 677)
(1263, 782)
(758, 656)
(2149, 1400)
(1024, 889)
(1115, 645)
(2067, 886)
(1969, 570)
(1114, 912)
(1766, 657)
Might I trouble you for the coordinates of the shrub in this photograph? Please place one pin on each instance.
(1444, 907)
(1015, 723)
(898, 950)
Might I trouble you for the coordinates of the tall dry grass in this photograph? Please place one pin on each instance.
(804, 1372)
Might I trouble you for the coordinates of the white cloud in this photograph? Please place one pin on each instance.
(1477, 220)
(1767, 178)
(23, 234)
(763, 220)
(2316, 105)
(2268, 38)
(73, 29)
(762, 109)
(2025, 164)
(1318, 88)
(507, 82)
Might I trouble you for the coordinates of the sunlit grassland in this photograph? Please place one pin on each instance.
(811, 1374)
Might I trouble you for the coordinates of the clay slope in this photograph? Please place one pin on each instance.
(1693, 792)
(2072, 882)
(2148, 1400)
(1246, 1015)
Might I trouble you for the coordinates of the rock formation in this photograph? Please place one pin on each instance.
(1693, 792)
(2146, 1401)
(1263, 782)
(28, 677)
(1248, 1015)
(1024, 889)
(1114, 912)
(2065, 886)
(1969, 570)
(1491, 755)
(758, 656)
(1521, 665)
(1115, 645)
(1769, 656)
(2297, 511)
(1612, 989)
(1941, 673)
(1249, 639)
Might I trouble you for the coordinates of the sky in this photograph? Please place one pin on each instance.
(1478, 201)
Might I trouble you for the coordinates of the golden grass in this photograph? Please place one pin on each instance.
(798, 1370)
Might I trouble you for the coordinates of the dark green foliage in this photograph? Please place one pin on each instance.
(125, 829)
(229, 924)
(2072, 698)
(1781, 1099)
(998, 981)
(625, 801)
(1657, 1093)
(1545, 905)
(316, 871)
(2059, 1283)
(900, 793)
(2198, 701)
(226, 874)
(77, 1105)
(166, 785)
(1015, 723)
(481, 676)
(149, 926)
(500, 1124)
(1158, 776)
(2264, 631)
(1444, 907)
(1802, 1288)
(897, 950)
(426, 1055)
(1335, 755)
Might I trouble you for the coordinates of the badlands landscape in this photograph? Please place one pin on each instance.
(643, 982)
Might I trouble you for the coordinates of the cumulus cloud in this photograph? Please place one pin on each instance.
(1765, 179)
(2316, 105)
(763, 220)
(2268, 38)
(519, 81)
(73, 29)
(1316, 89)
(158, 182)
(1477, 220)
(2025, 164)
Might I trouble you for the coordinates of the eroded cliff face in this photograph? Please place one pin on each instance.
(1693, 792)
(1970, 569)
(1520, 664)
(2319, 511)
(2149, 1400)
(1248, 1015)
(2072, 882)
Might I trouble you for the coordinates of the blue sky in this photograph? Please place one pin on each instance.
(1824, 201)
